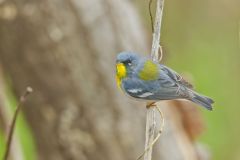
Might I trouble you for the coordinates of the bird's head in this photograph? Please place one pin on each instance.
(125, 64)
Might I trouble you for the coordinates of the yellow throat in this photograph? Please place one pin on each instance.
(121, 72)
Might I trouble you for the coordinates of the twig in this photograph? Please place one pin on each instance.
(151, 18)
(151, 122)
(158, 135)
(13, 123)
(150, 13)
(157, 29)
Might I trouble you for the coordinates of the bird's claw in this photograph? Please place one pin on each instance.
(151, 104)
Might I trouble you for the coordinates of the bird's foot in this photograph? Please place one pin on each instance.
(151, 104)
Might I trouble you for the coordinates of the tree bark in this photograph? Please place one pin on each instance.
(65, 50)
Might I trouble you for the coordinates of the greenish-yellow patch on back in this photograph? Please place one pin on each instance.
(149, 71)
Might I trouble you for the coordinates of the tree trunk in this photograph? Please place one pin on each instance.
(65, 50)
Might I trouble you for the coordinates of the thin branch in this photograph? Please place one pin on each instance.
(150, 13)
(151, 18)
(13, 123)
(150, 130)
(151, 122)
(157, 29)
(158, 135)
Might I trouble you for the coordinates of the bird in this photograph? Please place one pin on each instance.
(143, 79)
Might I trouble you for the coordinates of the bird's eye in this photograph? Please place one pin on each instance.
(128, 62)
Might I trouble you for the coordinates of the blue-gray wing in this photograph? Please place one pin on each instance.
(163, 88)
(175, 76)
(166, 87)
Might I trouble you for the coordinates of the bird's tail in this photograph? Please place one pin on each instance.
(201, 100)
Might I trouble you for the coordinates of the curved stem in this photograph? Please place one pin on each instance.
(13, 123)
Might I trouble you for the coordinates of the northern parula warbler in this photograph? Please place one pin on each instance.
(141, 78)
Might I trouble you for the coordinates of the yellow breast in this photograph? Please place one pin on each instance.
(121, 72)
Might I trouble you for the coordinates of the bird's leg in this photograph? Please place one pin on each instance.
(150, 104)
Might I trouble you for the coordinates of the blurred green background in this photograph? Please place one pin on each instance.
(201, 38)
